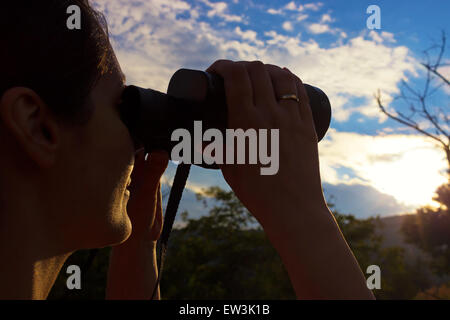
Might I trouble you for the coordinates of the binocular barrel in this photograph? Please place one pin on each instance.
(151, 116)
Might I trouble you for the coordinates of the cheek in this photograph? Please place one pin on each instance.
(109, 157)
(114, 159)
(118, 155)
(115, 140)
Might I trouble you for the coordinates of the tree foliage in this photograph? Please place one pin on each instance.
(429, 229)
(220, 256)
(226, 255)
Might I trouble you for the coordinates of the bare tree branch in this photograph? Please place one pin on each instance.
(417, 101)
(406, 122)
(433, 67)
(432, 118)
(435, 72)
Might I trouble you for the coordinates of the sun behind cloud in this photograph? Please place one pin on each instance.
(408, 167)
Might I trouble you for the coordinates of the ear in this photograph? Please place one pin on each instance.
(29, 120)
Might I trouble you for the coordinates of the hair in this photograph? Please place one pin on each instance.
(61, 65)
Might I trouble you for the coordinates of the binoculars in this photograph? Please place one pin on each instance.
(151, 116)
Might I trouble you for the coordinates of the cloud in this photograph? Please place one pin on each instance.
(382, 37)
(363, 201)
(323, 27)
(273, 11)
(388, 36)
(445, 72)
(357, 68)
(318, 28)
(149, 37)
(358, 199)
(313, 6)
(326, 18)
(291, 6)
(188, 203)
(219, 9)
(287, 26)
(407, 167)
(249, 35)
(153, 39)
(302, 17)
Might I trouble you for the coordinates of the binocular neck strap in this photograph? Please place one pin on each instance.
(176, 192)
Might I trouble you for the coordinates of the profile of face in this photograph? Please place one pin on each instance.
(77, 174)
(98, 159)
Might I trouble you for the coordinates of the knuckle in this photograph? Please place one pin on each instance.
(274, 69)
(257, 64)
(237, 78)
(237, 74)
(219, 65)
(237, 70)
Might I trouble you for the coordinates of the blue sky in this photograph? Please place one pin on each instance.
(370, 164)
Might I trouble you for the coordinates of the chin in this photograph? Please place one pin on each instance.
(120, 229)
(115, 230)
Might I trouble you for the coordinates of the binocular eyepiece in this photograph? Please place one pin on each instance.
(151, 116)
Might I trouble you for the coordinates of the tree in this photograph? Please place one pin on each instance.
(437, 119)
(226, 255)
(436, 293)
(399, 280)
(429, 229)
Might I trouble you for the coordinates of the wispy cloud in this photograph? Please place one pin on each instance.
(249, 35)
(220, 9)
(287, 25)
(302, 17)
(292, 6)
(318, 28)
(326, 18)
(313, 6)
(274, 11)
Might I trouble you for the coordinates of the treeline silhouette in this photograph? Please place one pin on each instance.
(226, 255)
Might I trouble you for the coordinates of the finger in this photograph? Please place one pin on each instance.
(154, 167)
(238, 86)
(147, 173)
(158, 160)
(158, 222)
(305, 108)
(159, 209)
(262, 89)
(284, 83)
(139, 161)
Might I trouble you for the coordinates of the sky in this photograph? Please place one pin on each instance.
(370, 165)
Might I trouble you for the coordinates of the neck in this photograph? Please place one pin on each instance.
(30, 252)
